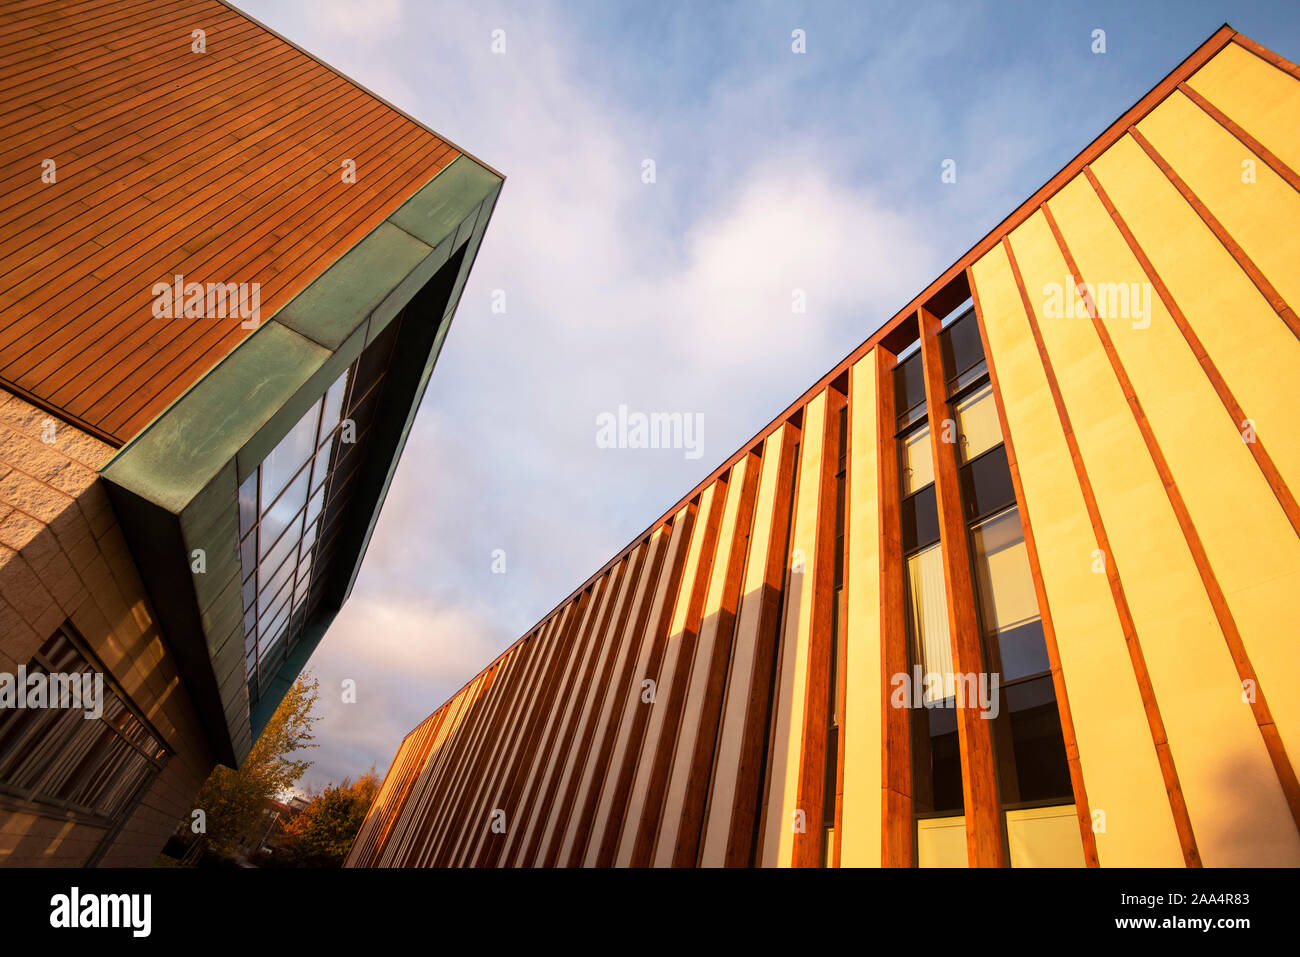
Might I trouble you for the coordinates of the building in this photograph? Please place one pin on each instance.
(226, 272)
(1061, 634)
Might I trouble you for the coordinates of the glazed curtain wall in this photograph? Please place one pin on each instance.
(714, 696)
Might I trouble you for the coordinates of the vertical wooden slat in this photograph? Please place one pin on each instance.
(677, 843)
(646, 807)
(602, 844)
(737, 785)
(985, 842)
(862, 726)
(792, 815)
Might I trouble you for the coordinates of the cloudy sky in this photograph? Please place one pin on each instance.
(774, 171)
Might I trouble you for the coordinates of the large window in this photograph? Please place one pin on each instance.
(61, 759)
(280, 509)
(1027, 741)
(936, 756)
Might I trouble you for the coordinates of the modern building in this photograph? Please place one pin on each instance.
(1013, 584)
(226, 272)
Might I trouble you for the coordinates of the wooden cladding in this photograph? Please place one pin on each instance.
(136, 151)
(1136, 318)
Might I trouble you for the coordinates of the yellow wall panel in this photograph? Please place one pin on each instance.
(1045, 837)
(792, 683)
(863, 695)
(731, 728)
(1260, 216)
(941, 842)
(1251, 546)
(651, 743)
(1257, 96)
(1214, 739)
(1256, 353)
(1118, 759)
(621, 647)
(698, 677)
(628, 705)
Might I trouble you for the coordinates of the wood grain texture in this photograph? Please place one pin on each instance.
(985, 842)
(221, 166)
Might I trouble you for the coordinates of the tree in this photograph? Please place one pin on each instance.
(234, 802)
(321, 834)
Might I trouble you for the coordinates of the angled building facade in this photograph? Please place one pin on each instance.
(1011, 585)
(226, 272)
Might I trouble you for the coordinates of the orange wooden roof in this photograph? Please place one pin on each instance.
(221, 166)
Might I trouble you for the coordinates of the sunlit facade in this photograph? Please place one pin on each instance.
(1011, 585)
(189, 482)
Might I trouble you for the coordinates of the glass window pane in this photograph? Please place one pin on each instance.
(986, 484)
(917, 461)
(314, 506)
(248, 554)
(909, 388)
(927, 606)
(248, 503)
(333, 407)
(291, 454)
(960, 346)
(272, 590)
(284, 513)
(320, 471)
(920, 520)
(1008, 603)
(978, 429)
(1039, 770)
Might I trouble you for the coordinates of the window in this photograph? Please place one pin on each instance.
(69, 757)
(978, 428)
(280, 506)
(936, 756)
(962, 352)
(1032, 766)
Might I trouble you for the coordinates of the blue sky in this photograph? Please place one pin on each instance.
(775, 171)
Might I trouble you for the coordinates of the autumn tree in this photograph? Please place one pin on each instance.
(321, 834)
(234, 802)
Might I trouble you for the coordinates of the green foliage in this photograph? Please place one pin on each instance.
(321, 834)
(235, 801)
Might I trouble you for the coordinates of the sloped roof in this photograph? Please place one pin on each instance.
(221, 166)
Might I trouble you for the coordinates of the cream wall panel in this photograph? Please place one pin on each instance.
(651, 743)
(632, 694)
(791, 689)
(1045, 837)
(1257, 96)
(531, 798)
(621, 644)
(698, 677)
(1255, 353)
(1214, 740)
(1260, 216)
(941, 842)
(604, 646)
(1116, 753)
(863, 695)
(726, 766)
(1251, 546)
